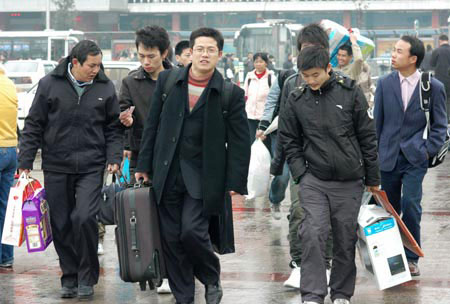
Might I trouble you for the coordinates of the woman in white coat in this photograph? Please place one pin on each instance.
(257, 85)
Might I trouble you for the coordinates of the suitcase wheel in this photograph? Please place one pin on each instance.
(143, 285)
(151, 284)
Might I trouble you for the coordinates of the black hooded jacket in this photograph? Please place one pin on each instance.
(329, 133)
(78, 134)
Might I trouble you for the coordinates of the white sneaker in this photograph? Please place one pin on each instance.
(164, 288)
(275, 210)
(341, 301)
(328, 276)
(100, 250)
(294, 279)
(310, 302)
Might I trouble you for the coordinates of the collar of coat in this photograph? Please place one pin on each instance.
(61, 71)
(141, 74)
(216, 81)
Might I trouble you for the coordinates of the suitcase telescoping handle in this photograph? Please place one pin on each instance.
(141, 184)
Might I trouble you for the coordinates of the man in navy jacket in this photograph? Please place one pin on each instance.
(400, 123)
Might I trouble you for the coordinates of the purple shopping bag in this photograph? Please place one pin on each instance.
(36, 219)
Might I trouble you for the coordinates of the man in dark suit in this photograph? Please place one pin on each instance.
(440, 61)
(400, 122)
(196, 151)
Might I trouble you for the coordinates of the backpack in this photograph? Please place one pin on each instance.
(425, 100)
(284, 74)
(269, 79)
(227, 89)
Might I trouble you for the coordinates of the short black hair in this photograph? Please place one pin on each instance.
(207, 32)
(181, 46)
(313, 57)
(443, 37)
(153, 36)
(417, 48)
(314, 34)
(429, 48)
(83, 49)
(347, 48)
(261, 55)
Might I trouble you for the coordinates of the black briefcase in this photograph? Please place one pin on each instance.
(106, 212)
(221, 229)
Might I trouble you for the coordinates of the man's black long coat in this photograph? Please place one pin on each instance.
(225, 149)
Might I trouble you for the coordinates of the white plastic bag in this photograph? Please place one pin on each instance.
(259, 170)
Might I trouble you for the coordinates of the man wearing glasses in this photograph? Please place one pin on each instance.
(196, 150)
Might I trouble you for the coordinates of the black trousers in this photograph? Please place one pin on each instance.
(186, 243)
(74, 203)
(133, 165)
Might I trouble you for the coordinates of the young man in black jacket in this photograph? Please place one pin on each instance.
(74, 119)
(311, 34)
(196, 151)
(152, 44)
(330, 145)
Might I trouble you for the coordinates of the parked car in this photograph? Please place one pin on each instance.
(379, 66)
(118, 70)
(115, 70)
(27, 73)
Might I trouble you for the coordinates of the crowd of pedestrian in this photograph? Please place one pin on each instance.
(192, 141)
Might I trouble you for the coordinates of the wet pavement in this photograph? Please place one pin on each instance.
(256, 272)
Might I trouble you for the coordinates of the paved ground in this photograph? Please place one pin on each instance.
(255, 273)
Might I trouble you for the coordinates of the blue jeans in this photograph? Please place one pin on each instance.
(8, 163)
(407, 178)
(281, 182)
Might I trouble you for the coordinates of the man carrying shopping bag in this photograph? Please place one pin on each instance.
(75, 114)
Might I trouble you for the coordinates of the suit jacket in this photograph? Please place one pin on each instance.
(440, 60)
(403, 130)
(219, 155)
(188, 156)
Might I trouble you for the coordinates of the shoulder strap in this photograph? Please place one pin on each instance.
(170, 82)
(248, 82)
(227, 89)
(283, 77)
(270, 80)
(425, 99)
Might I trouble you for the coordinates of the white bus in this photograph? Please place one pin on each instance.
(49, 45)
(275, 37)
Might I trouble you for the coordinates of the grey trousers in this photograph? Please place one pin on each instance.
(295, 218)
(326, 202)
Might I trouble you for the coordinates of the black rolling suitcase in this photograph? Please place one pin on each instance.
(138, 237)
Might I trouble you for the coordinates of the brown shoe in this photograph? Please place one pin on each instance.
(414, 268)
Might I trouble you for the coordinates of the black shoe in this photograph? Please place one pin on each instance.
(184, 302)
(68, 292)
(213, 293)
(85, 292)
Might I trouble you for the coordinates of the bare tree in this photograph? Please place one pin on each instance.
(64, 16)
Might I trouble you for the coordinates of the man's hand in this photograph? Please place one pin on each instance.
(353, 38)
(126, 117)
(233, 193)
(260, 134)
(127, 154)
(21, 170)
(113, 168)
(373, 188)
(141, 175)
